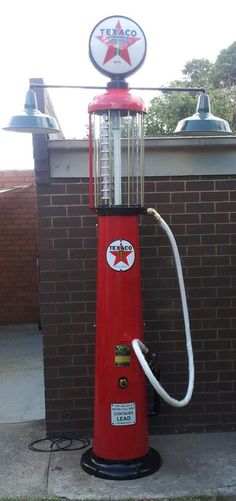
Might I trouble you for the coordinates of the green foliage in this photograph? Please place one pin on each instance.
(218, 78)
(198, 72)
(223, 104)
(224, 69)
(165, 111)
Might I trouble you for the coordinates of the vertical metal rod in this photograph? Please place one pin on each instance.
(91, 183)
(104, 160)
(128, 159)
(115, 124)
(95, 161)
(138, 173)
(142, 160)
(110, 161)
(132, 161)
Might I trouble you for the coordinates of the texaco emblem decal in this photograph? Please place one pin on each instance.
(120, 255)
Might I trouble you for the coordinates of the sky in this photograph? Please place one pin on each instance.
(49, 39)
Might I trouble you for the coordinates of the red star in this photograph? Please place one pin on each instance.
(121, 255)
(118, 44)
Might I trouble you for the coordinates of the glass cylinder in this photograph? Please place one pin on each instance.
(118, 158)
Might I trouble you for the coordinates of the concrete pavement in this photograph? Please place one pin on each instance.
(21, 374)
(193, 465)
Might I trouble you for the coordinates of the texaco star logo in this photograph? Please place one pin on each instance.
(118, 43)
(120, 255)
(117, 46)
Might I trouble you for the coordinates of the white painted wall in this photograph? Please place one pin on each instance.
(170, 156)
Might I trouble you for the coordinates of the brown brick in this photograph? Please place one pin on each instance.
(201, 185)
(200, 207)
(77, 188)
(217, 196)
(69, 264)
(57, 361)
(185, 197)
(157, 198)
(72, 371)
(215, 239)
(54, 276)
(226, 184)
(82, 253)
(53, 254)
(78, 210)
(68, 243)
(225, 206)
(50, 189)
(185, 218)
(59, 340)
(67, 222)
(51, 211)
(76, 329)
(56, 318)
(76, 285)
(70, 307)
(169, 186)
(200, 229)
(215, 218)
(44, 201)
(54, 297)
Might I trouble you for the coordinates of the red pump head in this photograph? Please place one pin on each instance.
(117, 99)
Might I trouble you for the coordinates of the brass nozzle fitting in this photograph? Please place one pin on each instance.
(153, 212)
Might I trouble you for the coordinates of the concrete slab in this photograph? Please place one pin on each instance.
(193, 465)
(23, 473)
(21, 374)
(196, 464)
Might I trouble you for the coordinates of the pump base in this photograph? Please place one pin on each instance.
(121, 469)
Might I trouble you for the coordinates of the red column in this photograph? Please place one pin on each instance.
(120, 428)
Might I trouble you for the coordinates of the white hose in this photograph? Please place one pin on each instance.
(140, 349)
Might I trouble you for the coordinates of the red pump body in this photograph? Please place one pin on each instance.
(119, 321)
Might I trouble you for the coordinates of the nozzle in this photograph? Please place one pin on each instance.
(153, 212)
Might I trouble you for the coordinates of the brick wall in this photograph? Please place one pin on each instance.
(201, 212)
(18, 249)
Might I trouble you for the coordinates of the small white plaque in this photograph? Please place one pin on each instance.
(123, 414)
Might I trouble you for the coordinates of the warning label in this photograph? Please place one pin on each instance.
(123, 414)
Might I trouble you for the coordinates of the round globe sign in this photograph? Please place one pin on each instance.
(117, 46)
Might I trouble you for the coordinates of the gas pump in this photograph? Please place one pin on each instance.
(120, 444)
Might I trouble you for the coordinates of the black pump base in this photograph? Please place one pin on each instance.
(121, 470)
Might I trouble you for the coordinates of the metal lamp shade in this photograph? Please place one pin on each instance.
(31, 119)
(203, 122)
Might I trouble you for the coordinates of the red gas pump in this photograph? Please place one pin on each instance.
(120, 446)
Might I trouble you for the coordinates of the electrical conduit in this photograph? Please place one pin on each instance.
(140, 349)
